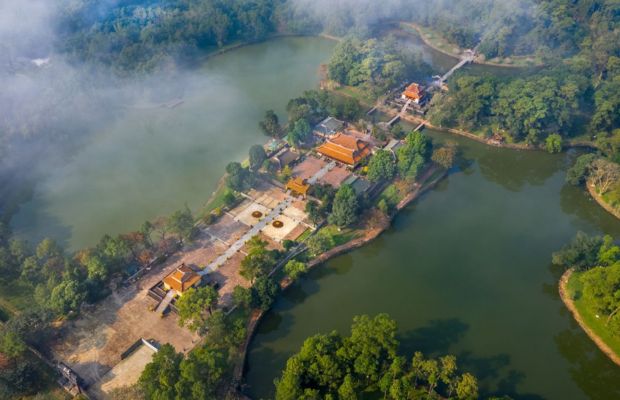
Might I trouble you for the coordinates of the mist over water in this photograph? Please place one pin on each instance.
(150, 159)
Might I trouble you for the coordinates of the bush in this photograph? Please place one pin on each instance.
(288, 244)
(209, 219)
(553, 143)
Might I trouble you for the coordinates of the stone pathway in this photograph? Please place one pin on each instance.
(321, 173)
(275, 212)
(166, 301)
(235, 247)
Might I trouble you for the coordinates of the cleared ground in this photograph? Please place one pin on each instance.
(125, 373)
(92, 344)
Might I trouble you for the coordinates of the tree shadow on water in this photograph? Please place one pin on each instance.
(435, 338)
(595, 374)
(261, 367)
(495, 375)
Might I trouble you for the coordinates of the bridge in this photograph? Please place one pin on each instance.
(467, 58)
(402, 113)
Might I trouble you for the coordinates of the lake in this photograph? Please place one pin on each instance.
(465, 270)
(154, 160)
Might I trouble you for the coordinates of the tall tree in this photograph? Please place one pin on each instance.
(257, 157)
(238, 178)
(258, 261)
(181, 222)
(200, 374)
(160, 376)
(264, 292)
(270, 125)
(467, 387)
(195, 306)
(294, 269)
(345, 208)
(381, 166)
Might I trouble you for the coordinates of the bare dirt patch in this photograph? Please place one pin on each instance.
(125, 373)
(92, 344)
(227, 277)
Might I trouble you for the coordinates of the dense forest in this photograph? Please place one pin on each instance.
(141, 33)
(576, 96)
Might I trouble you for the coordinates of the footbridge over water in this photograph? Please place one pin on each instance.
(466, 58)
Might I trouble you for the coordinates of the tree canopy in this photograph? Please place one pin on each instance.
(368, 362)
(345, 208)
(413, 155)
(238, 178)
(270, 125)
(375, 65)
(597, 260)
(381, 166)
(257, 157)
(259, 261)
(196, 305)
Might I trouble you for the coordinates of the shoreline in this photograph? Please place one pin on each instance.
(488, 142)
(369, 235)
(273, 36)
(457, 56)
(570, 305)
(601, 202)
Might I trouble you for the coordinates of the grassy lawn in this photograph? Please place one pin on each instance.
(216, 200)
(356, 93)
(612, 197)
(343, 235)
(582, 138)
(434, 38)
(437, 40)
(390, 194)
(588, 316)
(304, 235)
(15, 297)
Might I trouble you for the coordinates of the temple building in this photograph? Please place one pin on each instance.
(298, 185)
(345, 149)
(181, 279)
(415, 93)
(329, 127)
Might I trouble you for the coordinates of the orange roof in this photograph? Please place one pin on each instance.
(298, 185)
(345, 148)
(182, 278)
(414, 91)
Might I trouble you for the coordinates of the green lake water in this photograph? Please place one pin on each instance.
(464, 270)
(152, 161)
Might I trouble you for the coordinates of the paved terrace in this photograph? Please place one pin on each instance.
(236, 246)
(275, 212)
(321, 173)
